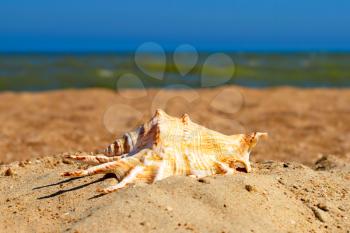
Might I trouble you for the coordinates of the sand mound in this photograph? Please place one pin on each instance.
(275, 197)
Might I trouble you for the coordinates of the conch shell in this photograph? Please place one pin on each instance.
(167, 146)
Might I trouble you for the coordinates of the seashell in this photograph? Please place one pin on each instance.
(168, 146)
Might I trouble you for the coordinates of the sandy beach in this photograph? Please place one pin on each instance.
(302, 124)
(300, 180)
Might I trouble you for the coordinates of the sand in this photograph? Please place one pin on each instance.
(275, 197)
(302, 123)
(300, 180)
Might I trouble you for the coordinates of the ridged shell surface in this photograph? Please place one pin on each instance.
(167, 146)
(184, 147)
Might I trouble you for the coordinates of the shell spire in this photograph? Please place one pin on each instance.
(129, 141)
(120, 146)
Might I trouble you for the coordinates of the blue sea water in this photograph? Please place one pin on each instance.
(47, 71)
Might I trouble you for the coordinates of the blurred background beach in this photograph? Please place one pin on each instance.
(45, 46)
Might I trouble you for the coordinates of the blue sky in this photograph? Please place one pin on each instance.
(76, 25)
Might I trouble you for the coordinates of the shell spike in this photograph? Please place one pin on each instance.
(159, 112)
(185, 118)
(250, 140)
(259, 135)
(254, 137)
(247, 165)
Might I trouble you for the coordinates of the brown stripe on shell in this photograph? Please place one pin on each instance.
(127, 146)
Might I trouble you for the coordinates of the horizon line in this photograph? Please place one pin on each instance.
(127, 51)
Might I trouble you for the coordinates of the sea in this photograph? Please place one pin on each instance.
(51, 71)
